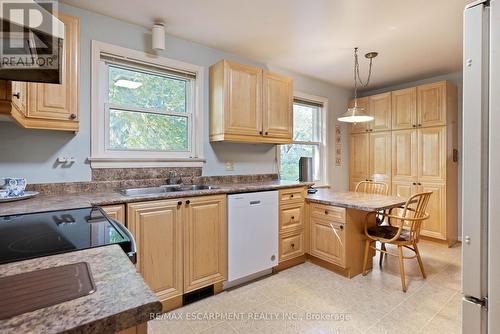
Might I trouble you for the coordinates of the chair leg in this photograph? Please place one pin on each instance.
(402, 268)
(365, 260)
(419, 259)
(382, 254)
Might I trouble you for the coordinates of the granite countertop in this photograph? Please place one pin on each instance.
(87, 199)
(121, 299)
(353, 200)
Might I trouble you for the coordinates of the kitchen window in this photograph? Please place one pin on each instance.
(146, 111)
(309, 138)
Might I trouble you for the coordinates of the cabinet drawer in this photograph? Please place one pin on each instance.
(330, 213)
(293, 195)
(291, 218)
(291, 245)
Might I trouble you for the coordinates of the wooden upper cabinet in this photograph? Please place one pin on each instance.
(60, 102)
(404, 155)
(244, 100)
(432, 154)
(363, 102)
(49, 106)
(380, 157)
(359, 155)
(404, 108)
(380, 109)
(431, 104)
(157, 229)
(246, 103)
(205, 242)
(277, 106)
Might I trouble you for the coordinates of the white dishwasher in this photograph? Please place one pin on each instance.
(252, 235)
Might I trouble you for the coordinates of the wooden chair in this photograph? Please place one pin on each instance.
(372, 187)
(403, 231)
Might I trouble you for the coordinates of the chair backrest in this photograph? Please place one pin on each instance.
(415, 208)
(372, 187)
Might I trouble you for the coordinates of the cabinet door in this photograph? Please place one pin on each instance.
(116, 212)
(277, 111)
(359, 155)
(380, 157)
(431, 104)
(205, 242)
(435, 226)
(432, 154)
(363, 102)
(404, 155)
(243, 112)
(404, 108)
(157, 229)
(328, 241)
(60, 102)
(380, 109)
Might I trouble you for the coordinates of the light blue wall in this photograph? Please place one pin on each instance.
(33, 154)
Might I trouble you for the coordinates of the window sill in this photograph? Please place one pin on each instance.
(98, 162)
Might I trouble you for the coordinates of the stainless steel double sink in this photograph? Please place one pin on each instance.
(165, 189)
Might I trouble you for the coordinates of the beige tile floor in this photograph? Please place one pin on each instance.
(285, 302)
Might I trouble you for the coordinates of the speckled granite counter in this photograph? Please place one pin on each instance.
(86, 199)
(353, 200)
(121, 299)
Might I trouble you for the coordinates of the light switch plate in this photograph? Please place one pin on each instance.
(229, 166)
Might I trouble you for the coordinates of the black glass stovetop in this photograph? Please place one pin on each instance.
(46, 233)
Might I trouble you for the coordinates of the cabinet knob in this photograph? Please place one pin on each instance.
(419, 184)
(188, 202)
(72, 116)
(179, 203)
(293, 245)
(341, 227)
(260, 132)
(291, 195)
(265, 133)
(293, 217)
(414, 125)
(414, 183)
(420, 125)
(326, 212)
(17, 95)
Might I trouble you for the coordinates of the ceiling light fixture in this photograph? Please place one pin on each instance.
(127, 84)
(158, 37)
(357, 114)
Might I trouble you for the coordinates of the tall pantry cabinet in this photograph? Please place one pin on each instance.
(422, 145)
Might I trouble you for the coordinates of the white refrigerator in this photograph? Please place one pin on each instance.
(481, 168)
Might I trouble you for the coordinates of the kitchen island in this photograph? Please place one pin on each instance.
(121, 299)
(336, 227)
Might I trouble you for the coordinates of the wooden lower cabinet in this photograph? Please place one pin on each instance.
(435, 226)
(205, 242)
(181, 244)
(157, 229)
(328, 241)
(292, 222)
(116, 212)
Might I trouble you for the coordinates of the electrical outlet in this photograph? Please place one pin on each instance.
(229, 166)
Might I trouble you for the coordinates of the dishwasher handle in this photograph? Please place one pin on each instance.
(255, 202)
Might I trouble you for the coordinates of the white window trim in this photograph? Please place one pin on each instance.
(323, 181)
(100, 157)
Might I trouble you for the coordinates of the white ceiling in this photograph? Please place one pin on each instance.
(314, 37)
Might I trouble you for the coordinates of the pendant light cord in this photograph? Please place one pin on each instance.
(358, 77)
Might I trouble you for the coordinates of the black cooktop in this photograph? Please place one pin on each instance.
(46, 233)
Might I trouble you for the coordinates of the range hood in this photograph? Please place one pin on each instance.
(31, 42)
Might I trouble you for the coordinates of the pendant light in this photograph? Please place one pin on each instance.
(357, 114)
